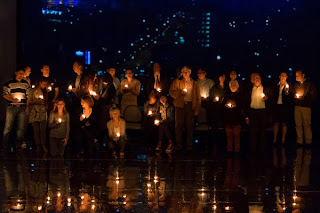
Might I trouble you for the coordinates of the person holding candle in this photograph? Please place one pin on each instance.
(187, 102)
(256, 115)
(157, 80)
(281, 107)
(305, 94)
(116, 132)
(15, 92)
(88, 123)
(116, 83)
(59, 125)
(38, 114)
(52, 87)
(151, 110)
(130, 89)
(233, 116)
(205, 85)
(166, 123)
(217, 95)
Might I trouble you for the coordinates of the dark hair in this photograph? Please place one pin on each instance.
(301, 70)
(282, 71)
(88, 100)
(203, 69)
(107, 78)
(45, 65)
(80, 63)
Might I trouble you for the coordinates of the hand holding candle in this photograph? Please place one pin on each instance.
(118, 134)
(298, 96)
(159, 89)
(229, 105)
(40, 97)
(185, 90)
(83, 116)
(49, 88)
(126, 86)
(70, 88)
(149, 113)
(156, 122)
(264, 97)
(59, 120)
(216, 99)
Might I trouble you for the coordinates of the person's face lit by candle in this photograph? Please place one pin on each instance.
(163, 100)
(283, 78)
(27, 71)
(115, 115)
(19, 75)
(202, 74)
(300, 76)
(112, 71)
(186, 72)
(77, 68)
(156, 68)
(257, 81)
(45, 70)
(234, 86)
(129, 74)
(233, 75)
(222, 79)
(60, 105)
(42, 84)
(252, 77)
(84, 104)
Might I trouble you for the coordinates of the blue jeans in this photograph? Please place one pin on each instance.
(13, 114)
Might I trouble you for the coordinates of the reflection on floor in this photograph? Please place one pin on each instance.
(283, 179)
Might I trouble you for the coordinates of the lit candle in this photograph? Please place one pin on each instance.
(263, 95)
(59, 120)
(214, 207)
(297, 95)
(126, 86)
(92, 93)
(93, 206)
(82, 197)
(39, 208)
(149, 112)
(118, 134)
(41, 96)
(83, 116)
(156, 122)
(185, 90)
(204, 96)
(149, 185)
(69, 200)
(48, 198)
(159, 89)
(49, 88)
(58, 194)
(217, 98)
(19, 99)
(287, 86)
(227, 208)
(33, 86)
(70, 87)
(229, 105)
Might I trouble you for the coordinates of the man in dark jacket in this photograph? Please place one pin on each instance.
(157, 80)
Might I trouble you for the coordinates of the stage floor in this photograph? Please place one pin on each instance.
(282, 179)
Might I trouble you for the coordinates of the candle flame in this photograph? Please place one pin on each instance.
(217, 98)
(59, 120)
(83, 116)
(156, 122)
(263, 95)
(185, 89)
(70, 87)
(118, 134)
(126, 86)
(49, 88)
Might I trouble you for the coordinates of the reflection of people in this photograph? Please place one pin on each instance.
(302, 167)
(15, 92)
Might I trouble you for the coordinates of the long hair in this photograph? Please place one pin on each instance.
(55, 109)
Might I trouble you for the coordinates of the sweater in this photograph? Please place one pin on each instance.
(60, 130)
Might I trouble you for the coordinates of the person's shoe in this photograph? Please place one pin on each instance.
(158, 148)
(170, 148)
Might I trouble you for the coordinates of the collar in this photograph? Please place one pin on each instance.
(284, 83)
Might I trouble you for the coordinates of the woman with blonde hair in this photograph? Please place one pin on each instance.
(116, 132)
(59, 125)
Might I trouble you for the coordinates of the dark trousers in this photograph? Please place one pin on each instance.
(233, 137)
(184, 117)
(164, 131)
(39, 132)
(150, 131)
(120, 144)
(56, 146)
(257, 129)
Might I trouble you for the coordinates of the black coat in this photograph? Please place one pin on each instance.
(164, 84)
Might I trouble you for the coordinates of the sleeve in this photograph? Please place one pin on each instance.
(52, 124)
(67, 126)
(6, 89)
(174, 91)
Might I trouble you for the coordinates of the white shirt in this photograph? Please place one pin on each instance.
(280, 93)
(257, 101)
(205, 86)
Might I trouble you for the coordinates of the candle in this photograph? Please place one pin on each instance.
(33, 86)
(82, 197)
(126, 86)
(287, 86)
(204, 96)
(41, 96)
(156, 122)
(58, 194)
(185, 90)
(227, 208)
(149, 185)
(19, 99)
(297, 95)
(49, 88)
(59, 120)
(229, 105)
(39, 208)
(217, 98)
(214, 207)
(149, 112)
(83, 116)
(69, 200)
(159, 90)
(48, 198)
(263, 95)
(118, 134)
(92, 93)
(70, 87)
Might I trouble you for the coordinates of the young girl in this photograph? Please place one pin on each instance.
(151, 110)
(117, 132)
(166, 123)
(59, 124)
(38, 114)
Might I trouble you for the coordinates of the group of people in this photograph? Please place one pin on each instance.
(99, 105)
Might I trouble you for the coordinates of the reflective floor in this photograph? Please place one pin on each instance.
(283, 179)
